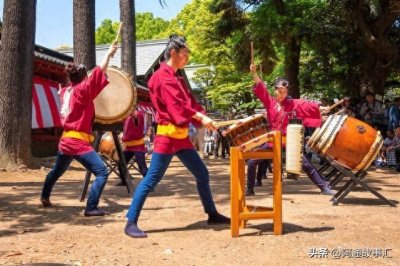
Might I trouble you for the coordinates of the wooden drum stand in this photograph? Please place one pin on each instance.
(240, 211)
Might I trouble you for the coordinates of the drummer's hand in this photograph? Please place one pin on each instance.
(253, 68)
(324, 110)
(113, 49)
(324, 118)
(208, 123)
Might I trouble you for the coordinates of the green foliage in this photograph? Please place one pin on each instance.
(334, 51)
(107, 32)
(147, 28)
(226, 88)
(203, 78)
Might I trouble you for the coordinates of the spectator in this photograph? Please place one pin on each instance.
(396, 147)
(208, 143)
(389, 157)
(217, 141)
(372, 112)
(394, 114)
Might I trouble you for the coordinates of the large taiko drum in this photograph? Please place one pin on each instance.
(351, 142)
(246, 130)
(107, 146)
(117, 100)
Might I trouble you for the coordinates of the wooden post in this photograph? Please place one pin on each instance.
(234, 152)
(277, 183)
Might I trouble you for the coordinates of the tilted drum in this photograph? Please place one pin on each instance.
(351, 142)
(117, 100)
(247, 130)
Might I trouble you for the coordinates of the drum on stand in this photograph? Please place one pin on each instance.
(117, 100)
(248, 133)
(107, 146)
(352, 143)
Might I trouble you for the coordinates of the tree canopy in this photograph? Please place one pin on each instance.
(148, 27)
(329, 47)
(325, 48)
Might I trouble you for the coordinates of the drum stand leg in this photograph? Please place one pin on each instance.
(125, 177)
(355, 179)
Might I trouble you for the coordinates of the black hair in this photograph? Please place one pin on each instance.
(369, 93)
(76, 73)
(281, 82)
(175, 42)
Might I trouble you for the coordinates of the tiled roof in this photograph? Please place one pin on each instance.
(51, 55)
(147, 53)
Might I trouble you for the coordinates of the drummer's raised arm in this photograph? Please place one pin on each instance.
(110, 53)
(253, 69)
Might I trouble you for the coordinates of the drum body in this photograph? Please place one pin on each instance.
(351, 142)
(117, 100)
(107, 146)
(246, 130)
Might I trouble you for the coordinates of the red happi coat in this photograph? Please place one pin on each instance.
(278, 114)
(174, 104)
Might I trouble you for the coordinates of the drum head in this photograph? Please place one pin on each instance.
(117, 100)
(246, 129)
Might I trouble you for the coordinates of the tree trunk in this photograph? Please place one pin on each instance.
(375, 71)
(379, 54)
(292, 65)
(128, 51)
(16, 70)
(84, 33)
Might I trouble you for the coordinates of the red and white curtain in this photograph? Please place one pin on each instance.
(45, 103)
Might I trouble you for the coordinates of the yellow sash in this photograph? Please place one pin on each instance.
(173, 131)
(78, 135)
(134, 142)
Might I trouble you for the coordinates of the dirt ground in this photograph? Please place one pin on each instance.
(315, 232)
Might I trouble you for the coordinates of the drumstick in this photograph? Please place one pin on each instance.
(118, 33)
(335, 104)
(251, 53)
(339, 112)
(226, 123)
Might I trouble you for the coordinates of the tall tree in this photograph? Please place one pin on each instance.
(128, 49)
(374, 22)
(84, 32)
(16, 70)
(364, 46)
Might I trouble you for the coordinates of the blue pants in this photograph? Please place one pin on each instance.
(158, 167)
(139, 159)
(90, 161)
(308, 168)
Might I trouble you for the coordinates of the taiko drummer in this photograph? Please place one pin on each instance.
(280, 109)
(77, 115)
(175, 109)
